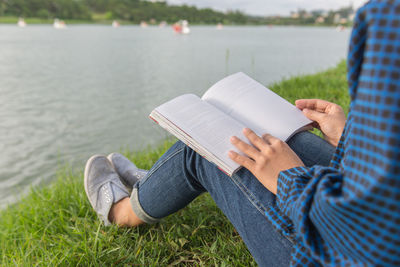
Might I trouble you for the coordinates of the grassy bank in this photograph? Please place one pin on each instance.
(55, 225)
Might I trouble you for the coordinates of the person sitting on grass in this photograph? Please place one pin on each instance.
(306, 202)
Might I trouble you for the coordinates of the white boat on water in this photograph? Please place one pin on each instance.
(21, 23)
(144, 24)
(185, 27)
(59, 24)
(340, 28)
(181, 27)
(115, 24)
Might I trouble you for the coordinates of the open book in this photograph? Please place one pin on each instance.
(236, 102)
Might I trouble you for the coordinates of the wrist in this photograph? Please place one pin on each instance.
(334, 142)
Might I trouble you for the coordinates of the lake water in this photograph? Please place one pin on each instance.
(68, 94)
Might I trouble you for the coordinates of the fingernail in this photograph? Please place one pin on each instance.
(246, 130)
(233, 139)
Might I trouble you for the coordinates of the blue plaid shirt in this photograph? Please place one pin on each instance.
(348, 214)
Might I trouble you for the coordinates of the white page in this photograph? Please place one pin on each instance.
(189, 141)
(204, 123)
(255, 106)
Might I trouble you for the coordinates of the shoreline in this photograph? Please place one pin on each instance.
(38, 21)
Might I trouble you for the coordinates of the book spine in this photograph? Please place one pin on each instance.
(153, 119)
(223, 171)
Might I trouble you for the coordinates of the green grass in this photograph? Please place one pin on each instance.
(55, 225)
(330, 85)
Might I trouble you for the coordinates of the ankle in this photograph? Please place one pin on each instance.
(121, 213)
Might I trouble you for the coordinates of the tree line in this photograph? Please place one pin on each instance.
(133, 11)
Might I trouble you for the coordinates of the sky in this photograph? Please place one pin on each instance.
(268, 7)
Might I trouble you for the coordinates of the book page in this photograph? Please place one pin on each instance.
(255, 106)
(205, 124)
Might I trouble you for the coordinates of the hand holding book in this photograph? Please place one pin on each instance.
(266, 158)
(206, 124)
(328, 117)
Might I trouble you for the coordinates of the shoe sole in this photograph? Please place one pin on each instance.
(86, 175)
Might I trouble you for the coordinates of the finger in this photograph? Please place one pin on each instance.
(266, 139)
(244, 147)
(242, 160)
(313, 104)
(314, 115)
(270, 139)
(257, 141)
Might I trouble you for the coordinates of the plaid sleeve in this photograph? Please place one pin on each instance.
(349, 213)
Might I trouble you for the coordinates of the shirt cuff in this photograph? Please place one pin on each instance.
(286, 183)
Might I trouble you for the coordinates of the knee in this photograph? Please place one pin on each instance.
(179, 144)
(188, 152)
(193, 160)
(190, 157)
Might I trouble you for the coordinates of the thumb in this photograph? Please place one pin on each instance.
(314, 115)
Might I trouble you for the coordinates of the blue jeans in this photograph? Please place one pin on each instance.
(181, 175)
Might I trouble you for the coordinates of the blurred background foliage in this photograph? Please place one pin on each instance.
(133, 11)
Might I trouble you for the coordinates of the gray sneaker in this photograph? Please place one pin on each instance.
(102, 186)
(127, 170)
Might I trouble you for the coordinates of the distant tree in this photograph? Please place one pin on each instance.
(43, 14)
(237, 17)
(317, 13)
(345, 12)
(2, 7)
(302, 13)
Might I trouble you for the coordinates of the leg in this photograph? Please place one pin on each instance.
(311, 149)
(181, 175)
